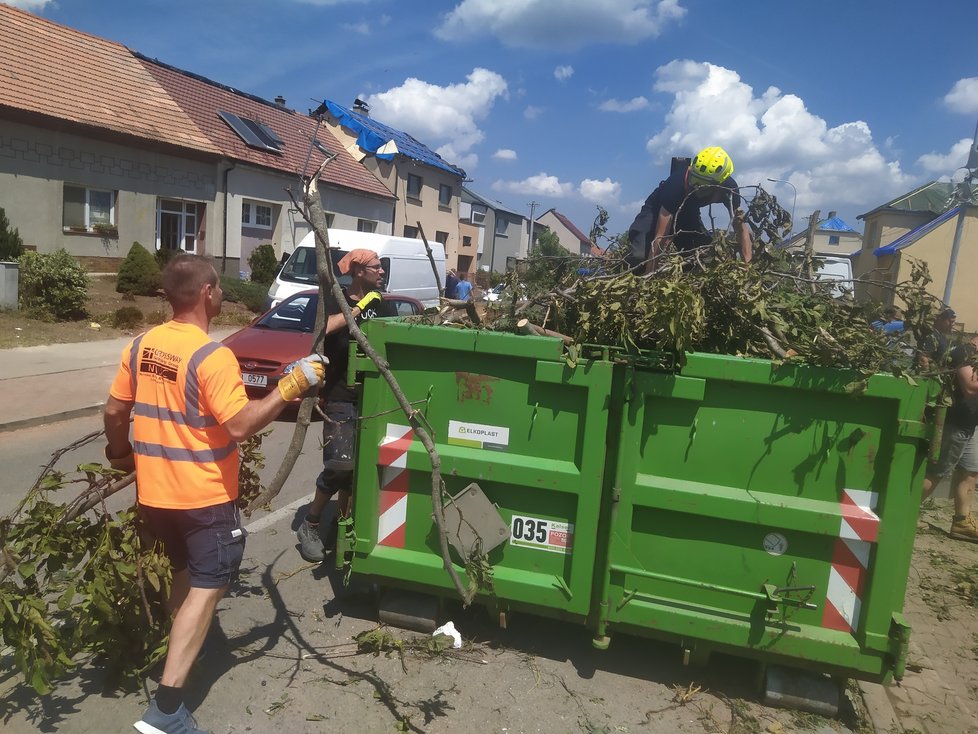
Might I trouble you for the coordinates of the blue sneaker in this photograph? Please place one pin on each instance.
(155, 721)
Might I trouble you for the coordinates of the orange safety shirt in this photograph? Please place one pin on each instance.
(183, 387)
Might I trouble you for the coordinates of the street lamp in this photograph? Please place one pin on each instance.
(794, 198)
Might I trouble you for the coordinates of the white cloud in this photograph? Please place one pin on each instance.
(563, 73)
(532, 112)
(363, 28)
(436, 115)
(772, 135)
(504, 154)
(945, 164)
(631, 105)
(569, 24)
(604, 192)
(542, 184)
(28, 4)
(963, 96)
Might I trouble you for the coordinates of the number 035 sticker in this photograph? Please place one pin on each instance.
(546, 535)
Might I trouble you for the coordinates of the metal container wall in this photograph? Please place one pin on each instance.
(766, 511)
(508, 413)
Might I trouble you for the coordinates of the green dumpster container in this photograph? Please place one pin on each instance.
(764, 510)
(507, 413)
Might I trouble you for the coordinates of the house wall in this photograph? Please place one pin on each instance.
(248, 184)
(465, 257)
(36, 162)
(934, 248)
(503, 243)
(871, 272)
(568, 240)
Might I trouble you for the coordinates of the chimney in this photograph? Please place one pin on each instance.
(280, 101)
(361, 107)
(831, 214)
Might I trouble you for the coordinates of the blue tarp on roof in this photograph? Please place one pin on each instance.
(915, 234)
(835, 224)
(373, 135)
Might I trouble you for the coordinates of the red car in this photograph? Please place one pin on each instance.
(283, 334)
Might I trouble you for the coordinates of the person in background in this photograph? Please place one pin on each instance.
(365, 300)
(892, 321)
(671, 213)
(190, 411)
(932, 352)
(959, 444)
(451, 284)
(464, 288)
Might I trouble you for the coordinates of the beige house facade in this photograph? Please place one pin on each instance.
(570, 236)
(426, 187)
(909, 228)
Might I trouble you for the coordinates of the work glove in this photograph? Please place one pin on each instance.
(125, 463)
(302, 375)
(368, 299)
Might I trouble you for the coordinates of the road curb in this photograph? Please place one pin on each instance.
(40, 420)
(879, 708)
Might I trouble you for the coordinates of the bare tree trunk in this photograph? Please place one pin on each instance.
(313, 211)
(431, 259)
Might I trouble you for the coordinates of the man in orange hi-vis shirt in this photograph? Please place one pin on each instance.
(190, 410)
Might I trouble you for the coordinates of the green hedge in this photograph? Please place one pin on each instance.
(252, 295)
(53, 286)
(139, 273)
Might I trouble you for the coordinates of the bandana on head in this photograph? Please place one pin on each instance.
(360, 256)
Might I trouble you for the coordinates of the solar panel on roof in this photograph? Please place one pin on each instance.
(253, 133)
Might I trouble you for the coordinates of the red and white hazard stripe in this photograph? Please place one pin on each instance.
(392, 458)
(850, 559)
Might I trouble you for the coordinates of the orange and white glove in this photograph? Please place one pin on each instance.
(126, 462)
(305, 374)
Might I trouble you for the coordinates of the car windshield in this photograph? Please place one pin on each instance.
(294, 314)
(301, 266)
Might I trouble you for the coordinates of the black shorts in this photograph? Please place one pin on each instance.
(209, 542)
(339, 447)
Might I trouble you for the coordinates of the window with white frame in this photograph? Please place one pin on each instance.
(258, 215)
(366, 225)
(177, 224)
(88, 208)
(501, 226)
(414, 184)
(444, 195)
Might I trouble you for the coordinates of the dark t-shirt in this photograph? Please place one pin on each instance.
(963, 412)
(336, 347)
(671, 195)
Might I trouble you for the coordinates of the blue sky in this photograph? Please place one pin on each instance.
(574, 103)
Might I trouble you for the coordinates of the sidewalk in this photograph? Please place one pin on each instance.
(57, 382)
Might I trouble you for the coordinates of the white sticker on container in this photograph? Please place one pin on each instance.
(546, 535)
(477, 435)
(775, 544)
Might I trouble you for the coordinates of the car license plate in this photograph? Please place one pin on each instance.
(254, 380)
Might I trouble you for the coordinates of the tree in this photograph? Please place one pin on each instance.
(11, 245)
(139, 274)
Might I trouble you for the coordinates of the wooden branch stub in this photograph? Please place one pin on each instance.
(525, 327)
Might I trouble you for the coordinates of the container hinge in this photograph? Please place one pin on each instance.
(781, 595)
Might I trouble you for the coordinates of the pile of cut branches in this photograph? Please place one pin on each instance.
(708, 301)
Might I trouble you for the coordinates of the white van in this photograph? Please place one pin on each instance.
(407, 270)
(839, 269)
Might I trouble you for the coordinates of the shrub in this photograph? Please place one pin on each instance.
(53, 286)
(11, 245)
(263, 264)
(252, 295)
(127, 317)
(164, 255)
(139, 275)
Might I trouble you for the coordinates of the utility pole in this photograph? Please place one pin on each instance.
(529, 241)
(965, 196)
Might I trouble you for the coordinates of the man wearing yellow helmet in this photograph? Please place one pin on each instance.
(671, 214)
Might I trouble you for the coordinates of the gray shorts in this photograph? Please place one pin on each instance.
(958, 449)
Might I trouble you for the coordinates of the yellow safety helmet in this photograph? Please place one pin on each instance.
(710, 166)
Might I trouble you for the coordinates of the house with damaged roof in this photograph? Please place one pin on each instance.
(101, 146)
(923, 225)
